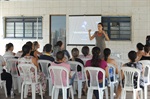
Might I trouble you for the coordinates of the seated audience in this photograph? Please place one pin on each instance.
(146, 56)
(60, 47)
(36, 46)
(60, 61)
(97, 62)
(133, 64)
(140, 51)
(75, 54)
(33, 52)
(85, 52)
(27, 58)
(47, 54)
(109, 60)
(9, 50)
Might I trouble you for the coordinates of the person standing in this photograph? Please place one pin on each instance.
(100, 37)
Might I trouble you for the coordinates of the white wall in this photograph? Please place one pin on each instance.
(139, 10)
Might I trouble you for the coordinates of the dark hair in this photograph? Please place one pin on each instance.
(59, 55)
(48, 47)
(147, 48)
(107, 52)
(75, 53)
(101, 25)
(140, 46)
(8, 46)
(25, 49)
(132, 56)
(29, 43)
(59, 43)
(85, 50)
(95, 58)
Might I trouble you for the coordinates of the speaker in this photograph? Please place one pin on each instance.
(148, 40)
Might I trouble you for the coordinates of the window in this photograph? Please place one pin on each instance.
(118, 28)
(23, 27)
(58, 29)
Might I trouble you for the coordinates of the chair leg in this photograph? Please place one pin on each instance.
(53, 90)
(72, 95)
(89, 93)
(145, 92)
(134, 94)
(64, 93)
(111, 91)
(50, 87)
(106, 93)
(100, 94)
(56, 93)
(19, 84)
(22, 91)
(33, 91)
(142, 94)
(4, 85)
(26, 91)
(79, 89)
(123, 94)
(41, 91)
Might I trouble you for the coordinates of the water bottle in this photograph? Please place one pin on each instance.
(111, 73)
(12, 93)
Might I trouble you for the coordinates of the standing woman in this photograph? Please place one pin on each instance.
(100, 37)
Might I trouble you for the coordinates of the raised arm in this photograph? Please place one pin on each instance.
(106, 36)
(91, 37)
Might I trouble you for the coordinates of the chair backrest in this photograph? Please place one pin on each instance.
(129, 75)
(93, 72)
(85, 59)
(6, 57)
(28, 72)
(112, 72)
(25, 59)
(44, 64)
(11, 64)
(57, 73)
(146, 64)
(74, 65)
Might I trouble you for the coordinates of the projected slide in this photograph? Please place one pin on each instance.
(78, 29)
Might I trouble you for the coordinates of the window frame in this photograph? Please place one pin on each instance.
(119, 21)
(24, 20)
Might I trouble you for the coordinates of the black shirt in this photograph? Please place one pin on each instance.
(145, 58)
(46, 57)
(80, 61)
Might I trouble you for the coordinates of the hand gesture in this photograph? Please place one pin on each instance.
(89, 30)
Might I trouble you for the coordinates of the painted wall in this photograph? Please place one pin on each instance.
(139, 10)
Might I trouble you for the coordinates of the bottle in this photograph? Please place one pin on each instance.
(12, 93)
(111, 73)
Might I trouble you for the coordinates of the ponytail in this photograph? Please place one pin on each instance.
(95, 58)
(107, 52)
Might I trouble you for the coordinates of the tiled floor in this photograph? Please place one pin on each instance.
(2, 96)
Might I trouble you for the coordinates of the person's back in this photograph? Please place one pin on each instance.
(146, 56)
(140, 51)
(47, 53)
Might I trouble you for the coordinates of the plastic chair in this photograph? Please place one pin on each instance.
(44, 64)
(94, 82)
(56, 74)
(112, 79)
(12, 68)
(79, 79)
(26, 72)
(129, 74)
(146, 64)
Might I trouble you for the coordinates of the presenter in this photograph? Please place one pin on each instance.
(100, 37)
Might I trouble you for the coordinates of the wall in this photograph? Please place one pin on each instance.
(139, 10)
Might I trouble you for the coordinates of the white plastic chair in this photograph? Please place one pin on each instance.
(56, 74)
(26, 72)
(94, 82)
(112, 82)
(129, 74)
(146, 64)
(73, 66)
(44, 64)
(11, 64)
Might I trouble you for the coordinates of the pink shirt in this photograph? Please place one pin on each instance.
(67, 66)
(102, 64)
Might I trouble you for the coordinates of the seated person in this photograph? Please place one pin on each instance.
(75, 54)
(85, 52)
(9, 50)
(146, 56)
(60, 61)
(5, 76)
(140, 51)
(97, 62)
(132, 56)
(109, 60)
(47, 54)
